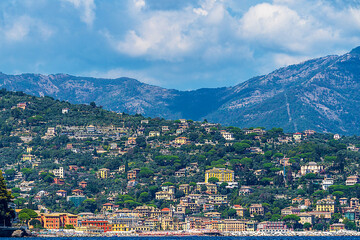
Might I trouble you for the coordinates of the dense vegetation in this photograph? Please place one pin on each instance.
(158, 159)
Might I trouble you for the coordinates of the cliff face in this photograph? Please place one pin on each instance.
(321, 94)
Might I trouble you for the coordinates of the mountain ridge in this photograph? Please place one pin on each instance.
(320, 94)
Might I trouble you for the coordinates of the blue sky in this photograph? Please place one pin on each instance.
(181, 44)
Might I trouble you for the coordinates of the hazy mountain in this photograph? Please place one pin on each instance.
(321, 94)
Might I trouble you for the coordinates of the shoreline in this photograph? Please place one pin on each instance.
(201, 233)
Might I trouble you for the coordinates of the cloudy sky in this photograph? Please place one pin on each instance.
(182, 44)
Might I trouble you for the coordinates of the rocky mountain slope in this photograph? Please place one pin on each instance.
(321, 94)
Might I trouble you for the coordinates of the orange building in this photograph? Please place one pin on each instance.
(132, 174)
(83, 184)
(103, 224)
(78, 192)
(59, 181)
(58, 220)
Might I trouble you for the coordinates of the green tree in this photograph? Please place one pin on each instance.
(6, 214)
(69, 226)
(31, 213)
(24, 217)
(213, 180)
(307, 226)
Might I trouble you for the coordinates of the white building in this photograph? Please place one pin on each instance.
(59, 172)
(326, 183)
(311, 167)
(228, 136)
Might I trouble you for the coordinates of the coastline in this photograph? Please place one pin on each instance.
(200, 233)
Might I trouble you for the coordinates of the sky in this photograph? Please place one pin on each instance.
(180, 44)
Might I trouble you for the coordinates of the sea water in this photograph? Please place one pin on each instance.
(192, 238)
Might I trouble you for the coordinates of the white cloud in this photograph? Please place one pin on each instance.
(282, 29)
(21, 27)
(283, 60)
(173, 35)
(87, 8)
(120, 72)
(139, 4)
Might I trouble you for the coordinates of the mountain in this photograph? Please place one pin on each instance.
(322, 94)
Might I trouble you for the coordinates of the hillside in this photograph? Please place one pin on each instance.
(320, 94)
(59, 157)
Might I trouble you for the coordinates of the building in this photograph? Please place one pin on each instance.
(21, 105)
(168, 188)
(83, 184)
(91, 128)
(109, 207)
(132, 174)
(59, 172)
(185, 188)
(290, 210)
(77, 192)
(337, 137)
(58, 220)
(325, 205)
(59, 181)
(268, 226)
(98, 223)
(27, 157)
(305, 218)
(336, 227)
(352, 180)
(154, 134)
(297, 136)
(50, 131)
(326, 183)
(218, 199)
(240, 211)
(297, 200)
(29, 149)
(228, 136)
(163, 195)
(352, 214)
(354, 202)
(311, 167)
(257, 209)
(309, 132)
(103, 173)
(77, 200)
(65, 110)
(224, 175)
(131, 141)
(181, 140)
(245, 190)
(61, 193)
(229, 225)
(165, 128)
(210, 187)
(343, 201)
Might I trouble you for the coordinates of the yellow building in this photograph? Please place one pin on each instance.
(28, 157)
(181, 140)
(121, 228)
(325, 205)
(29, 149)
(103, 173)
(224, 175)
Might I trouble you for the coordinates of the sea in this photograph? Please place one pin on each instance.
(193, 238)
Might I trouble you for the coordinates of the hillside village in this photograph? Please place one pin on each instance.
(82, 167)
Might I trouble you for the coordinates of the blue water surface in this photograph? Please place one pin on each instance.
(190, 238)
